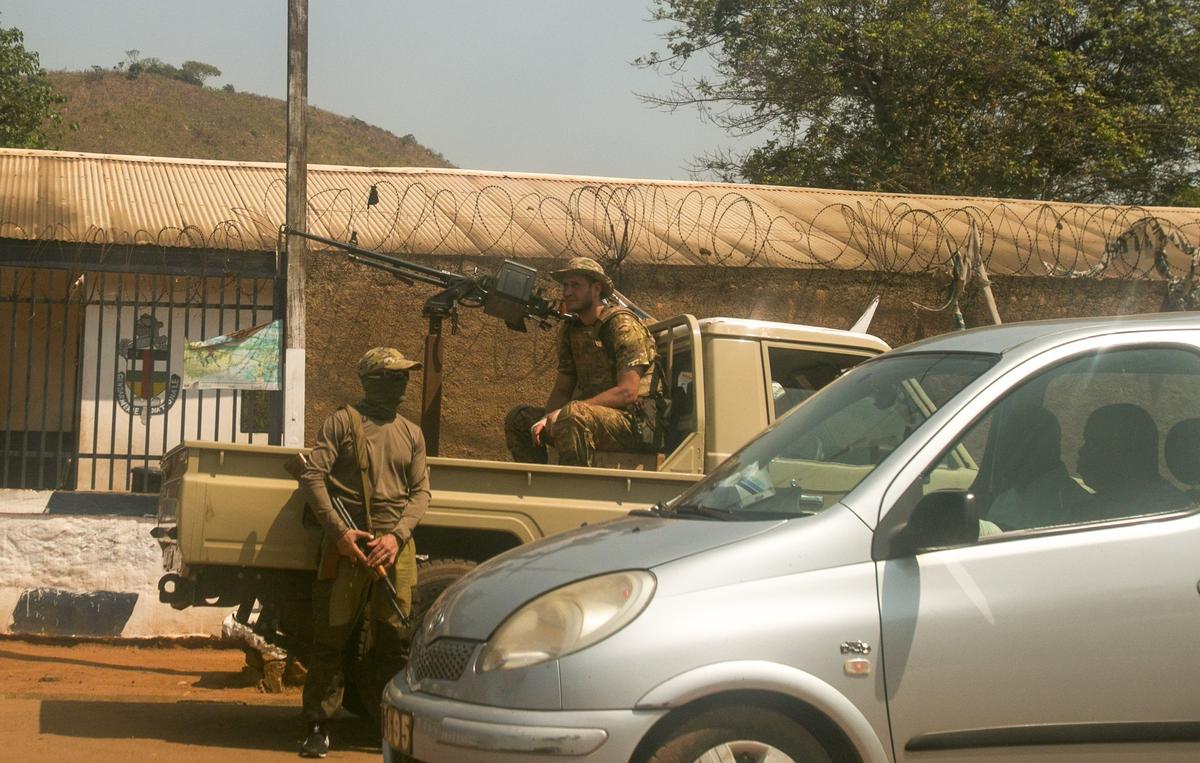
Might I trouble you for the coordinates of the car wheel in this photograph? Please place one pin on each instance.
(741, 735)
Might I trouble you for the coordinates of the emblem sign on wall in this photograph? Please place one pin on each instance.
(145, 386)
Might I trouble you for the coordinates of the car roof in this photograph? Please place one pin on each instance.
(1002, 339)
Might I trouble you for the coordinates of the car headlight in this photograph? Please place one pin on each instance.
(568, 619)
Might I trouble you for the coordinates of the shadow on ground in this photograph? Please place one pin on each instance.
(214, 724)
(56, 660)
(204, 679)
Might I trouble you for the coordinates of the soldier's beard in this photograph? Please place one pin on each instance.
(585, 305)
(381, 397)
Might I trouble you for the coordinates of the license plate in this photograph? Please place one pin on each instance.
(397, 729)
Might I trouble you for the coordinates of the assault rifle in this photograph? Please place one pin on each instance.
(295, 466)
(380, 572)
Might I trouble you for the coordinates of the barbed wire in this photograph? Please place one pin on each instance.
(625, 225)
(710, 226)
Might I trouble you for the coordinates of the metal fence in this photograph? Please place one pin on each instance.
(91, 373)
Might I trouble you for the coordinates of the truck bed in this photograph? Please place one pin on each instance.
(225, 504)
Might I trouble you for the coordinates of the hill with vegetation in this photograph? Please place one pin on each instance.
(154, 115)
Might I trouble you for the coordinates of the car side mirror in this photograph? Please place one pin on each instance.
(942, 519)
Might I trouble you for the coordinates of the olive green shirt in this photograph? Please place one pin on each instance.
(397, 471)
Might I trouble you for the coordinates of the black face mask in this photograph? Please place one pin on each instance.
(382, 395)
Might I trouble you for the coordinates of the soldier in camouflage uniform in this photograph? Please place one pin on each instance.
(604, 357)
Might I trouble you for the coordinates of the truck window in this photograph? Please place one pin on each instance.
(797, 373)
(682, 419)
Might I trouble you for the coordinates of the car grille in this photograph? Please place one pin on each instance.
(443, 660)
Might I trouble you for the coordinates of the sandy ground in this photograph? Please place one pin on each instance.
(103, 702)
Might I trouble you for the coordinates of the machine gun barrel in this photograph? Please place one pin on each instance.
(421, 273)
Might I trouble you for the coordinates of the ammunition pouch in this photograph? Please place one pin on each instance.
(650, 417)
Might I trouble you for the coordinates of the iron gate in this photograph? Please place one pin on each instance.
(91, 380)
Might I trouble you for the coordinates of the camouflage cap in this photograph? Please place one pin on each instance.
(586, 267)
(379, 360)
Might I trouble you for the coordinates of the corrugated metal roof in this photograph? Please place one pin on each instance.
(192, 203)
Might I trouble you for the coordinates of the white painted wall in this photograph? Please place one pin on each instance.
(82, 554)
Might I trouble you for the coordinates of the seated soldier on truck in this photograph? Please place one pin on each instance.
(604, 357)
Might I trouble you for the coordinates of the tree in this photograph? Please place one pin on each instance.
(196, 72)
(1082, 100)
(191, 72)
(28, 103)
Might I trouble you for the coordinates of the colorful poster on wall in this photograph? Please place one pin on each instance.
(246, 359)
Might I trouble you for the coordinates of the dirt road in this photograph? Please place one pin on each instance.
(131, 704)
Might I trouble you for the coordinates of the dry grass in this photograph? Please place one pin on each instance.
(158, 116)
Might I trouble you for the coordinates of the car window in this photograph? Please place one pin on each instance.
(1105, 436)
(817, 454)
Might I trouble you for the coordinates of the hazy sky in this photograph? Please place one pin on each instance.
(520, 85)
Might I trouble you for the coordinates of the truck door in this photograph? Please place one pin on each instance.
(1067, 628)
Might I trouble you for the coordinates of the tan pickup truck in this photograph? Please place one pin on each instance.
(230, 518)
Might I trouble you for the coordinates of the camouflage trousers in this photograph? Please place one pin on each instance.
(578, 432)
(338, 605)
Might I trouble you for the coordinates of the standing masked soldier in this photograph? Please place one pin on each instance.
(374, 460)
(604, 354)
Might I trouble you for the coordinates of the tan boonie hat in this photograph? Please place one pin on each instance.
(378, 360)
(586, 267)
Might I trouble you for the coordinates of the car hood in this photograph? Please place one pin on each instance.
(475, 605)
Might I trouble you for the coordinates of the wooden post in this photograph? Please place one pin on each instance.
(297, 219)
(981, 273)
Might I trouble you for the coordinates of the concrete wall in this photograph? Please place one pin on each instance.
(75, 574)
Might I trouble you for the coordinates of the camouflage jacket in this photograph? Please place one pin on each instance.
(593, 355)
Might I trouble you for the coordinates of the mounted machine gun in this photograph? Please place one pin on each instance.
(509, 295)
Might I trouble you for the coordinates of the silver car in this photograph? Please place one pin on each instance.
(980, 546)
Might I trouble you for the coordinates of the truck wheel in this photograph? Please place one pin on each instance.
(742, 734)
(433, 577)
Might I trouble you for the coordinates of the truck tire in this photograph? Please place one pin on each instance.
(741, 733)
(433, 576)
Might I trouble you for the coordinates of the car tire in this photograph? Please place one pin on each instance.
(744, 734)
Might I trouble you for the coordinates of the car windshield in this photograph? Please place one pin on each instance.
(811, 458)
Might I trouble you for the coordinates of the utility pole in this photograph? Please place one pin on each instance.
(297, 219)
